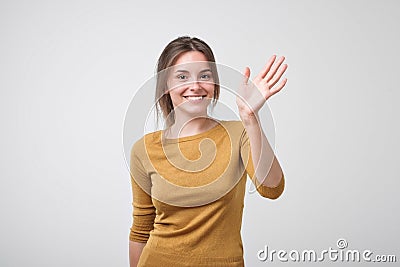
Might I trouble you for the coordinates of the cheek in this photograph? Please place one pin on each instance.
(175, 94)
(209, 87)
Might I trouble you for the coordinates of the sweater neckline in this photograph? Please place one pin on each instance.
(190, 137)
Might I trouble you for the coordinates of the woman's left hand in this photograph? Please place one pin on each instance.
(251, 97)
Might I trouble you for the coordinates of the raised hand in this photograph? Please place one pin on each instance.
(253, 95)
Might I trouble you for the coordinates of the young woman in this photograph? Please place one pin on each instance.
(188, 180)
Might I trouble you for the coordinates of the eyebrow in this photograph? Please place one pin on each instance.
(188, 71)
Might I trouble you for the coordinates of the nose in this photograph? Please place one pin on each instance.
(194, 86)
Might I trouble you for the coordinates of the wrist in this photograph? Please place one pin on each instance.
(249, 119)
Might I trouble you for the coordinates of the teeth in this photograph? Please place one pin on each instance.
(194, 97)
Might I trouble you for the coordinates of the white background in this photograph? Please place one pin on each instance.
(69, 69)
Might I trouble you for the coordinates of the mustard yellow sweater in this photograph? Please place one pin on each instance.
(188, 196)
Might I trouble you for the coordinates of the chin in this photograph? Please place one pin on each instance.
(191, 109)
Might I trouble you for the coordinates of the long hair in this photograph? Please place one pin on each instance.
(167, 59)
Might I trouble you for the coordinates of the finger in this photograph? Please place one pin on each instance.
(267, 67)
(278, 75)
(271, 73)
(246, 75)
(279, 87)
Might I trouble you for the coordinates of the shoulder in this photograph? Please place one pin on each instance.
(140, 146)
(233, 126)
(235, 130)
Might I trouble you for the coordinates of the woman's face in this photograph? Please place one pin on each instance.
(191, 84)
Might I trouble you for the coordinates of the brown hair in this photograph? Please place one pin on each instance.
(167, 59)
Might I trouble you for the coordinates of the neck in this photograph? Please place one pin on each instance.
(186, 125)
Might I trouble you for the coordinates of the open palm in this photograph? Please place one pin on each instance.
(253, 95)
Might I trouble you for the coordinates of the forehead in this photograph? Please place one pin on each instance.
(192, 60)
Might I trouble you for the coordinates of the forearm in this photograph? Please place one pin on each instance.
(135, 250)
(267, 168)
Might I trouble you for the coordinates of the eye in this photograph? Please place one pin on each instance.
(205, 76)
(181, 77)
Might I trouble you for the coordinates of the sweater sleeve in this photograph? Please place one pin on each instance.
(263, 190)
(144, 211)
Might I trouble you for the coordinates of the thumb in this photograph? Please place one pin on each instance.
(246, 75)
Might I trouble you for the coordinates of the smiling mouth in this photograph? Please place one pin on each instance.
(193, 98)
